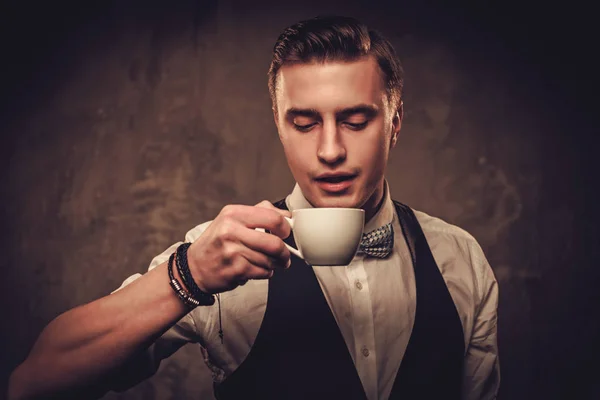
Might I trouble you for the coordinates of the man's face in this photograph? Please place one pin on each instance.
(337, 128)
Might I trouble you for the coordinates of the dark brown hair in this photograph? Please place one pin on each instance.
(336, 38)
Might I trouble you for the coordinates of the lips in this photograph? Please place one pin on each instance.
(335, 179)
(335, 183)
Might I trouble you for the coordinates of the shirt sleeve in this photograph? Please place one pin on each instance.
(145, 365)
(482, 366)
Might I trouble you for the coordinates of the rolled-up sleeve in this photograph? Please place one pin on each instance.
(146, 363)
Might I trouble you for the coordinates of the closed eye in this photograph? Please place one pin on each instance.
(304, 128)
(357, 126)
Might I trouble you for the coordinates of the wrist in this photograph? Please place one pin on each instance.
(178, 287)
(187, 287)
(196, 274)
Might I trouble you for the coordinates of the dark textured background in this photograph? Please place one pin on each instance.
(126, 123)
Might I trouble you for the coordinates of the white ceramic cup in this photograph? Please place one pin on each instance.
(327, 236)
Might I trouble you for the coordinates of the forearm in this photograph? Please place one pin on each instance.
(85, 344)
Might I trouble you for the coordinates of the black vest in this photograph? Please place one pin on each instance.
(300, 353)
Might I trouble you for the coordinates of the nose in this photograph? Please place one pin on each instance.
(331, 149)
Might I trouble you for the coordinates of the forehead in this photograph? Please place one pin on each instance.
(330, 86)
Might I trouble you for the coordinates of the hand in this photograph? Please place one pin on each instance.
(231, 251)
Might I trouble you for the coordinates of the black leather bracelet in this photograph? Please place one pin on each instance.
(177, 287)
(205, 299)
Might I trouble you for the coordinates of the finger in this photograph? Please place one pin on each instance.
(268, 205)
(255, 272)
(258, 217)
(245, 270)
(265, 261)
(265, 245)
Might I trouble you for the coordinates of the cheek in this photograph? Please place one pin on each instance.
(372, 153)
(297, 155)
(376, 164)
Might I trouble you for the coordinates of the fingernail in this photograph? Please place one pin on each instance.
(289, 263)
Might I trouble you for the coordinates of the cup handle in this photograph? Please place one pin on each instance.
(292, 250)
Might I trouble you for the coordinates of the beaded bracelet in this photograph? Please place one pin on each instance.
(181, 261)
(176, 286)
(184, 272)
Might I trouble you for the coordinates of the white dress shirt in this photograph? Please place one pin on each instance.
(361, 296)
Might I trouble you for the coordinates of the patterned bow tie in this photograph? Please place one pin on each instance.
(379, 242)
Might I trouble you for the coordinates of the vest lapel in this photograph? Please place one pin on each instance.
(432, 365)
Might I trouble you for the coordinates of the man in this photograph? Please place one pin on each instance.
(416, 320)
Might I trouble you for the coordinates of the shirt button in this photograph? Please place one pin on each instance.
(365, 352)
(358, 285)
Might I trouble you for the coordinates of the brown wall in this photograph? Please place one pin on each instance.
(126, 125)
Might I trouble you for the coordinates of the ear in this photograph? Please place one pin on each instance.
(396, 125)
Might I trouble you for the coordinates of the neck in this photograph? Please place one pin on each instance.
(375, 202)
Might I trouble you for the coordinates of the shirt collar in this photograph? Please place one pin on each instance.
(296, 201)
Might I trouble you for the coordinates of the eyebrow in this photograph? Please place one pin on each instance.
(368, 110)
(301, 112)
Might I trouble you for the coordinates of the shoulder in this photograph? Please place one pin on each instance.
(457, 253)
(437, 228)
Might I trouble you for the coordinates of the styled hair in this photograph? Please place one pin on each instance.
(336, 38)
